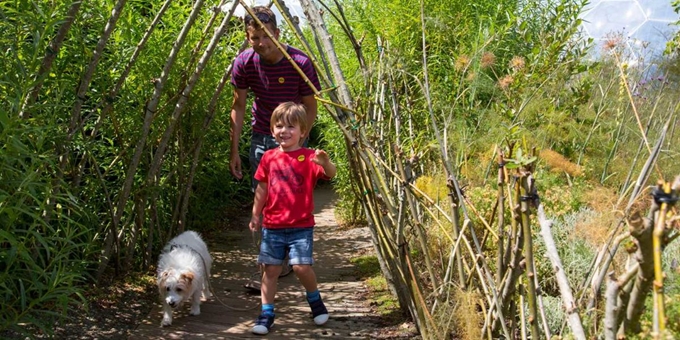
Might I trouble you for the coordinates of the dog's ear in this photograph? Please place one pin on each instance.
(188, 276)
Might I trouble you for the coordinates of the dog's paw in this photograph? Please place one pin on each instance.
(195, 311)
(166, 322)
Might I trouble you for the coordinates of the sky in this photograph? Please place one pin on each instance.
(644, 24)
(293, 6)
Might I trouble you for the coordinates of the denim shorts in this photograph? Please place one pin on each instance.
(297, 243)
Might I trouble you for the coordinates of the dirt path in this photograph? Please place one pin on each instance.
(235, 256)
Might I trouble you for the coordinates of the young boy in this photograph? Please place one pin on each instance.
(284, 206)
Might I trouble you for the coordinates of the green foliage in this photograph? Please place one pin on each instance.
(575, 252)
(494, 68)
(671, 261)
(368, 270)
(366, 266)
(62, 168)
(554, 312)
(46, 245)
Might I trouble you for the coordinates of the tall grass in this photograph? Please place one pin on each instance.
(46, 245)
(508, 112)
(72, 103)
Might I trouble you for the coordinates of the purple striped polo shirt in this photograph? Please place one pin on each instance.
(272, 84)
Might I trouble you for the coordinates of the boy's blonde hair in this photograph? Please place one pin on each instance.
(290, 113)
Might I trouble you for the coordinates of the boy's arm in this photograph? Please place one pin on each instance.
(261, 193)
(329, 169)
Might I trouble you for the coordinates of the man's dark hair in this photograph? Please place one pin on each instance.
(263, 13)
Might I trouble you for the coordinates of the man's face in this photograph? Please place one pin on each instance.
(261, 42)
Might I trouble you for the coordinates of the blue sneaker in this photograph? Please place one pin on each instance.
(263, 323)
(319, 312)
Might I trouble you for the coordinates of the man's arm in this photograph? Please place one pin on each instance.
(310, 104)
(238, 112)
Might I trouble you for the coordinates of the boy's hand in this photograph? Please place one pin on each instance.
(255, 223)
(320, 157)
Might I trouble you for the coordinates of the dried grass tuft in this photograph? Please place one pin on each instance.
(558, 163)
(595, 230)
(468, 316)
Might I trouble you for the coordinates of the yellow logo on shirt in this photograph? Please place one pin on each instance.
(282, 80)
(301, 158)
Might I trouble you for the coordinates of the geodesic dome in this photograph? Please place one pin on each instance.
(645, 25)
(293, 6)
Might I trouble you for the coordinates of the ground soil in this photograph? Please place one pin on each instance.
(130, 308)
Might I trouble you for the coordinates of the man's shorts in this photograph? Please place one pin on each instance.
(297, 243)
(259, 143)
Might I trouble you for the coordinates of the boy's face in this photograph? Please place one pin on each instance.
(288, 135)
(262, 44)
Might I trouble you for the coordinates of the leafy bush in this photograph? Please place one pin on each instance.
(46, 246)
(575, 252)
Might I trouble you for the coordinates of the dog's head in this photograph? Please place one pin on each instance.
(175, 287)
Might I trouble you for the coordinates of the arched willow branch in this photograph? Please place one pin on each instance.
(149, 113)
(50, 56)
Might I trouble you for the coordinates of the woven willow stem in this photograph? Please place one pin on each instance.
(571, 309)
(48, 59)
(530, 270)
(149, 113)
(659, 320)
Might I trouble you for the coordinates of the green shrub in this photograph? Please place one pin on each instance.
(45, 244)
(575, 252)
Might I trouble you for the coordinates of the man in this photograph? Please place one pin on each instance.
(272, 78)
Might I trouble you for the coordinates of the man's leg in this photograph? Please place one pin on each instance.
(259, 144)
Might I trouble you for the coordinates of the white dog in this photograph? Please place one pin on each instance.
(183, 273)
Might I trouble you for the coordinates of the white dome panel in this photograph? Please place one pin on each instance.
(644, 25)
(658, 10)
(613, 16)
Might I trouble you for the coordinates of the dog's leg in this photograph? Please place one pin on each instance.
(206, 281)
(206, 291)
(196, 303)
(206, 286)
(167, 315)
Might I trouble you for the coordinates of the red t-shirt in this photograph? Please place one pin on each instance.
(290, 177)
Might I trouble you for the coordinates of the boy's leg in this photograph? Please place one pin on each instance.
(306, 275)
(272, 251)
(270, 278)
(301, 250)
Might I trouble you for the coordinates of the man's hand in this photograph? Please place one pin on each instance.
(235, 166)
